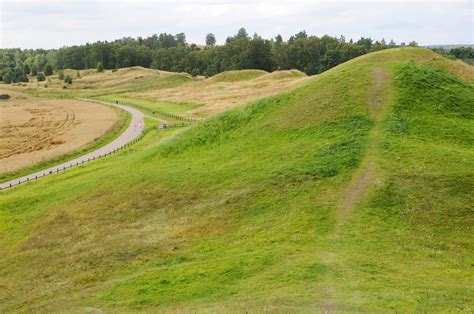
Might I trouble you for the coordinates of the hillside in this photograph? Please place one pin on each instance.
(225, 90)
(352, 192)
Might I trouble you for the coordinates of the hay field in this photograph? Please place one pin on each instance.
(226, 90)
(34, 131)
(13, 94)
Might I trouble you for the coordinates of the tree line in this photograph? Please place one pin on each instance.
(464, 53)
(307, 53)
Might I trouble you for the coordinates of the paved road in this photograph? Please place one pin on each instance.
(133, 131)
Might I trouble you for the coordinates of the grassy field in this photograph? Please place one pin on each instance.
(352, 192)
(167, 111)
(87, 83)
(225, 90)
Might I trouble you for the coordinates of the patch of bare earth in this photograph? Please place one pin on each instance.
(34, 131)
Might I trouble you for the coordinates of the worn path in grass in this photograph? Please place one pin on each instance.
(132, 132)
(378, 102)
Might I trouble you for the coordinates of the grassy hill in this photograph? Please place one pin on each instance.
(225, 90)
(350, 193)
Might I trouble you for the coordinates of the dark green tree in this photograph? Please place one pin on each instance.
(278, 40)
(8, 76)
(242, 33)
(34, 69)
(26, 69)
(48, 70)
(181, 39)
(210, 39)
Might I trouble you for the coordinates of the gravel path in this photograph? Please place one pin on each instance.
(133, 131)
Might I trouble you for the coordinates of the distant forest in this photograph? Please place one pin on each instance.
(310, 54)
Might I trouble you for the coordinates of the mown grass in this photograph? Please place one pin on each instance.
(241, 212)
(169, 111)
(151, 106)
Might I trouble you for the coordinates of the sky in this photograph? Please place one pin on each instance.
(54, 23)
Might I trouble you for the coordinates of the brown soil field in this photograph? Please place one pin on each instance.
(34, 131)
(217, 95)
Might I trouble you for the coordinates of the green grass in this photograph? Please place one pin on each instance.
(151, 106)
(117, 129)
(242, 212)
(161, 110)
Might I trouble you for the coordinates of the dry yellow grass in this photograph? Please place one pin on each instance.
(13, 94)
(41, 130)
(92, 79)
(218, 95)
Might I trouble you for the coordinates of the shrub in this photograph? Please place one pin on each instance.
(40, 77)
(100, 67)
(68, 79)
(48, 70)
(61, 75)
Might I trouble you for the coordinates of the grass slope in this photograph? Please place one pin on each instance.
(350, 193)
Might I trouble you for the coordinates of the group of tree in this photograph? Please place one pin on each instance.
(310, 54)
(464, 53)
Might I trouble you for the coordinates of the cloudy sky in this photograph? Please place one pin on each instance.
(55, 23)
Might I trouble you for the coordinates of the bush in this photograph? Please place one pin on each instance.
(40, 77)
(100, 67)
(61, 75)
(48, 70)
(68, 80)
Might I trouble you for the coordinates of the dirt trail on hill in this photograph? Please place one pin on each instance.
(377, 103)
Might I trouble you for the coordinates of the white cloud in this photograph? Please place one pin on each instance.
(54, 23)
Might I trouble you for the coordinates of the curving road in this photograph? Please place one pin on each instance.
(133, 131)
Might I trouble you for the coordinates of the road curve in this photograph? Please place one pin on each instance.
(133, 131)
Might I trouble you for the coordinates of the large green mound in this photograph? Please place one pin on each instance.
(351, 193)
